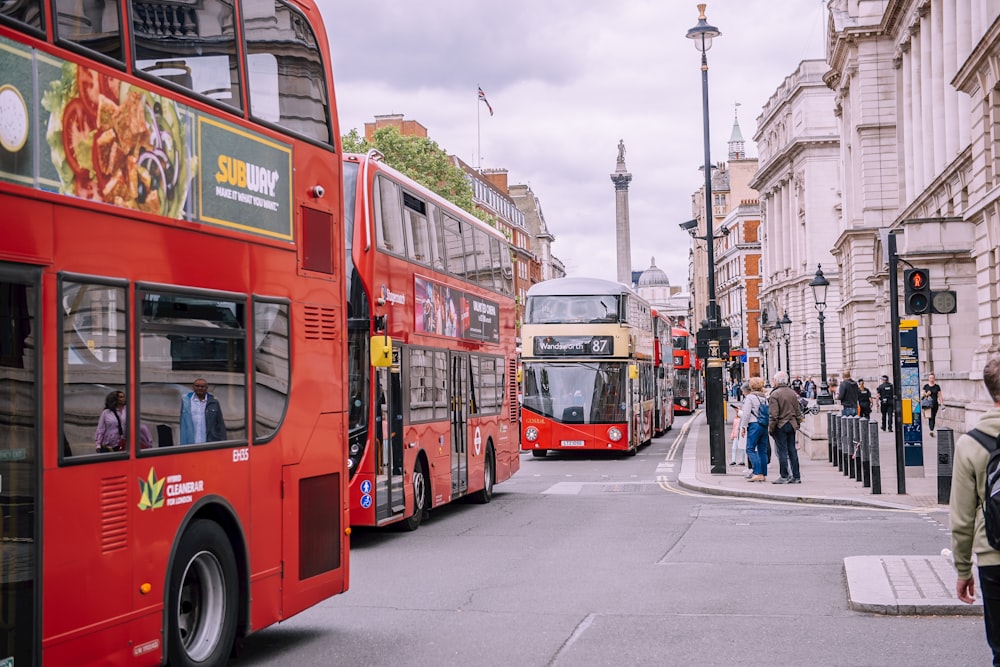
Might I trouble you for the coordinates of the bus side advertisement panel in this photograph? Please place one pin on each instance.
(136, 149)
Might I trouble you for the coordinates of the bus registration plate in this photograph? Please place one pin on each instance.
(572, 443)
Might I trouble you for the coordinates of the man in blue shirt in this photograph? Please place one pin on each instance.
(201, 416)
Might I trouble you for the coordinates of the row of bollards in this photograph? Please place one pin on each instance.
(852, 444)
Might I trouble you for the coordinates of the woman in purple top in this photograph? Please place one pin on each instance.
(110, 434)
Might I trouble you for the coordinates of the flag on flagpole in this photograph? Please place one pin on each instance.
(482, 98)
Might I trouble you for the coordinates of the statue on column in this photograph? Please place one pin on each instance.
(621, 151)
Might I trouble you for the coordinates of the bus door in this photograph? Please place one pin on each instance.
(20, 460)
(389, 499)
(460, 396)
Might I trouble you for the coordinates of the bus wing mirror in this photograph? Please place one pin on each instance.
(381, 351)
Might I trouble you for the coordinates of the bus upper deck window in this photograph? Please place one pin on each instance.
(28, 13)
(193, 46)
(95, 25)
(286, 81)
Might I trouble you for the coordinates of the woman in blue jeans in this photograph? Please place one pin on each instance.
(756, 434)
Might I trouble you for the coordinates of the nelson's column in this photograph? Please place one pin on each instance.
(621, 179)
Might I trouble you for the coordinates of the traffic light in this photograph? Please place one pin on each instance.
(917, 291)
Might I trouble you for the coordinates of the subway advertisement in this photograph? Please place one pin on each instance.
(70, 129)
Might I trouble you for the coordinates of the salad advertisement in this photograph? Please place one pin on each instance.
(70, 129)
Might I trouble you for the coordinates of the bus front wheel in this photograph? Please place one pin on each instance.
(203, 602)
(539, 453)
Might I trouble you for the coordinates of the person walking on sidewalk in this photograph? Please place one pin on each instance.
(739, 455)
(755, 432)
(847, 394)
(931, 390)
(886, 402)
(968, 529)
(785, 419)
(864, 400)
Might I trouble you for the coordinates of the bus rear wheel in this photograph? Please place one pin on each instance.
(203, 601)
(421, 498)
(489, 476)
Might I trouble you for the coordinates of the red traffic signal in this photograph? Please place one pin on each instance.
(917, 291)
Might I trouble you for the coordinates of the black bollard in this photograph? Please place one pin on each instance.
(873, 456)
(852, 429)
(859, 475)
(831, 435)
(842, 436)
(866, 480)
(946, 457)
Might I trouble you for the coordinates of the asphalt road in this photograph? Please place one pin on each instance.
(602, 560)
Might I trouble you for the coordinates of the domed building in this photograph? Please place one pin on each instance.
(654, 286)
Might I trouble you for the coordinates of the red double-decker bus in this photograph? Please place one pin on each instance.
(431, 338)
(686, 372)
(171, 313)
(663, 371)
(587, 367)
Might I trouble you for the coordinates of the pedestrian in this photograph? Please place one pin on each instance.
(201, 416)
(886, 402)
(968, 531)
(864, 400)
(111, 425)
(739, 455)
(755, 432)
(797, 385)
(810, 388)
(785, 419)
(931, 390)
(847, 394)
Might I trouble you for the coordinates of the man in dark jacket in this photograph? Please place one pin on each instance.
(785, 419)
(886, 402)
(847, 394)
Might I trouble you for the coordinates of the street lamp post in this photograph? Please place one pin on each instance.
(819, 285)
(745, 339)
(777, 341)
(702, 35)
(765, 343)
(786, 332)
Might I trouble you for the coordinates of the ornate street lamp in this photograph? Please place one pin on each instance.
(819, 285)
(765, 343)
(702, 35)
(786, 332)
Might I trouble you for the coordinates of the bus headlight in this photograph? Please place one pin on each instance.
(531, 434)
(615, 434)
(683, 402)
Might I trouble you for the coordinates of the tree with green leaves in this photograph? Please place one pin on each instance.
(422, 160)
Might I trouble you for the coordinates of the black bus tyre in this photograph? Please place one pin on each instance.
(421, 497)
(539, 453)
(202, 605)
(489, 476)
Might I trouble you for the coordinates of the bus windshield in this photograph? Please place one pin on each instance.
(572, 309)
(576, 393)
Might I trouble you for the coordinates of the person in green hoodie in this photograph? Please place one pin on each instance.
(968, 531)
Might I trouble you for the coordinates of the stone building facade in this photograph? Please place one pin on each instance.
(916, 101)
(798, 184)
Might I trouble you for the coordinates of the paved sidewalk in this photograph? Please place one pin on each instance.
(889, 584)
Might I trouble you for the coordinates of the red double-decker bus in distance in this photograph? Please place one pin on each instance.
(587, 367)
(685, 372)
(663, 371)
(172, 309)
(432, 349)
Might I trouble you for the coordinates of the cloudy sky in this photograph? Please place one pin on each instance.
(567, 80)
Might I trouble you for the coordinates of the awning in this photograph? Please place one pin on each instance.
(738, 354)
